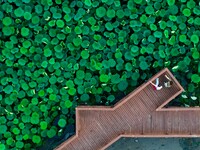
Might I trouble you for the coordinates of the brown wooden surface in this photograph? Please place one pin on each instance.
(139, 114)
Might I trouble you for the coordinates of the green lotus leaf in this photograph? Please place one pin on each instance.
(196, 55)
(122, 85)
(19, 144)
(191, 21)
(182, 38)
(118, 55)
(135, 76)
(43, 108)
(70, 84)
(80, 74)
(162, 53)
(149, 10)
(88, 2)
(67, 18)
(191, 4)
(197, 21)
(84, 97)
(92, 21)
(172, 18)
(120, 13)
(47, 52)
(134, 49)
(41, 93)
(85, 54)
(173, 9)
(60, 23)
(51, 133)
(68, 103)
(191, 87)
(58, 48)
(3, 129)
(9, 141)
(56, 65)
(171, 2)
(186, 12)
(182, 65)
(38, 9)
(23, 50)
(43, 125)
(24, 86)
(53, 80)
(34, 101)
(182, 26)
(157, 5)
(7, 21)
(8, 89)
(62, 123)
(196, 11)
(24, 31)
(72, 91)
(96, 45)
(143, 65)
(35, 19)
(77, 41)
(44, 64)
(34, 120)
(16, 131)
(151, 39)
(129, 66)
(111, 98)
(109, 26)
(158, 34)
(195, 78)
(130, 5)
(52, 97)
(110, 13)
(150, 20)
(172, 40)
(7, 31)
(104, 78)
(77, 30)
(52, 23)
(153, 27)
(54, 41)
(111, 62)
(52, 61)
(36, 139)
(19, 12)
(2, 147)
(26, 118)
(66, 9)
(117, 3)
(162, 24)
(194, 38)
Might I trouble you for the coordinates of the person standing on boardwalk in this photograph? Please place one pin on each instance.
(156, 86)
(168, 83)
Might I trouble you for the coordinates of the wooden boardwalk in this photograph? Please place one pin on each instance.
(139, 114)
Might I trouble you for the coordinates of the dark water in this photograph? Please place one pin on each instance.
(50, 144)
(156, 144)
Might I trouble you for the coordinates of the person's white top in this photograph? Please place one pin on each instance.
(158, 87)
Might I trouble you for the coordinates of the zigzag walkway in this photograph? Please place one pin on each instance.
(135, 115)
